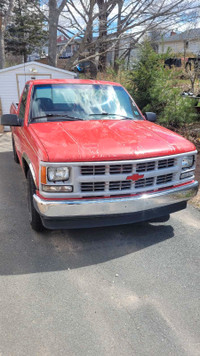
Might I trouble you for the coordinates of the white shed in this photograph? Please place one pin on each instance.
(13, 79)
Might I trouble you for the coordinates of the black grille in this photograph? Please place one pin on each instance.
(123, 185)
(145, 167)
(93, 170)
(92, 186)
(166, 163)
(144, 182)
(164, 179)
(120, 168)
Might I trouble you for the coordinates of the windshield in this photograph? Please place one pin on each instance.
(53, 102)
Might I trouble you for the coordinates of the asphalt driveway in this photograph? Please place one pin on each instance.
(126, 290)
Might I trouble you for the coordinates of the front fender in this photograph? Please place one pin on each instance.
(26, 159)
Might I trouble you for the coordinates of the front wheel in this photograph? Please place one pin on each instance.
(34, 217)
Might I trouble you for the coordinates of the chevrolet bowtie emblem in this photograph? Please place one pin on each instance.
(135, 177)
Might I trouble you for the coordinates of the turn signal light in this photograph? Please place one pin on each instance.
(43, 175)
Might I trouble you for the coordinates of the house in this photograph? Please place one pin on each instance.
(187, 42)
(13, 79)
(69, 50)
(125, 45)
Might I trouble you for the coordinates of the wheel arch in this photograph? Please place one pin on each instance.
(27, 165)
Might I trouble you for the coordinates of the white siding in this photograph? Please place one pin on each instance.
(176, 47)
(8, 80)
(8, 90)
(194, 46)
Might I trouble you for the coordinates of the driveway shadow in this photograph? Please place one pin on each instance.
(23, 251)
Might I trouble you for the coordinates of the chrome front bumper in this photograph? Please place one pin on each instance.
(113, 206)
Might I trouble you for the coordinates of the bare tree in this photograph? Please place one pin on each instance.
(193, 72)
(55, 10)
(119, 25)
(103, 24)
(6, 8)
(51, 10)
(100, 26)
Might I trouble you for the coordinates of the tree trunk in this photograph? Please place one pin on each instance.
(89, 28)
(116, 53)
(2, 48)
(128, 58)
(102, 34)
(4, 20)
(53, 25)
(192, 80)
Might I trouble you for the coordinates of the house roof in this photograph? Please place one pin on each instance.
(184, 36)
(24, 65)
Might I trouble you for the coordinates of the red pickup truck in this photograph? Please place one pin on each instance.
(91, 158)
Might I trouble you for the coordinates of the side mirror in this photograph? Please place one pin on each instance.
(10, 120)
(150, 116)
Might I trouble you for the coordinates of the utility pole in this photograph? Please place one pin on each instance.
(2, 53)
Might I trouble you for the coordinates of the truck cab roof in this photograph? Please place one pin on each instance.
(71, 81)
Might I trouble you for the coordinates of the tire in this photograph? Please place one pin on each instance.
(15, 156)
(34, 217)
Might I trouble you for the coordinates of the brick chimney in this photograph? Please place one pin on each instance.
(172, 33)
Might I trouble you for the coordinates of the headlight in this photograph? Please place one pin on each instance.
(57, 188)
(58, 174)
(187, 162)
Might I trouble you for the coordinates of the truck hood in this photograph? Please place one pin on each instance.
(103, 140)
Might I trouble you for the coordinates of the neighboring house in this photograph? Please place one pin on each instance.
(37, 54)
(33, 57)
(69, 50)
(183, 43)
(125, 45)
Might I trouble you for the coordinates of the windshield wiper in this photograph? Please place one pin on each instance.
(65, 116)
(103, 113)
